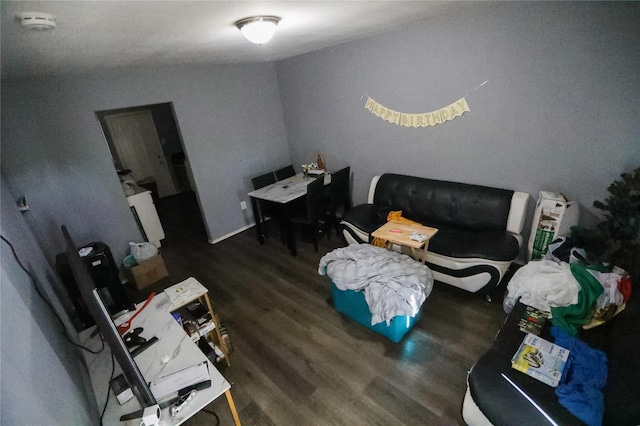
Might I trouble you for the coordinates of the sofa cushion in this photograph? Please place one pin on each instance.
(459, 243)
(449, 241)
(499, 401)
(366, 217)
(617, 338)
(443, 203)
(503, 404)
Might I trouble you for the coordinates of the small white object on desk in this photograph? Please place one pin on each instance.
(151, 416)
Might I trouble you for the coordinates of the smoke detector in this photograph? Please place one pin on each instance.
(37, 21)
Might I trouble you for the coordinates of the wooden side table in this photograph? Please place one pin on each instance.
(395, 232)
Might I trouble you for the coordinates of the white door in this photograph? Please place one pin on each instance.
(136, 140)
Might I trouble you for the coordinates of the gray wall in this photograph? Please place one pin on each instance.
(560, 111)
(54, 153)
(53, 149)
(44, 380)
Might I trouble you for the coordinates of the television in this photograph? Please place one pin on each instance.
(96, 307)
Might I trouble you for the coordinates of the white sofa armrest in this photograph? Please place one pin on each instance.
(518, 212)
(372, 188)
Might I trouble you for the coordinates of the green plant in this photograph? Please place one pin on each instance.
(622, 210)
(617, 238)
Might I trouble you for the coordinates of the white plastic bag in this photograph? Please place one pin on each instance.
(143, 251)
(611, 294)
(558, 252)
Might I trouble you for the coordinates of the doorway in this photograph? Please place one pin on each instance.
(147, 152)
(138, 150)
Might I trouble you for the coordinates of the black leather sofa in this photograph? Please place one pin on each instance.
(490, 399)
(479, 227)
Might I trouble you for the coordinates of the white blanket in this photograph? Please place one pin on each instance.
(393, 283)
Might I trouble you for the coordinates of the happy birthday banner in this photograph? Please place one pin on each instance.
(424, 119)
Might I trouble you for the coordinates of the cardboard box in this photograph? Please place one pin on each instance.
(148, 272)
(554, 216)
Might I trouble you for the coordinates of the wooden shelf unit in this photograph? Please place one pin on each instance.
(188, 291)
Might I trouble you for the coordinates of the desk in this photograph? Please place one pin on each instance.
(172, 341)
(282, 193)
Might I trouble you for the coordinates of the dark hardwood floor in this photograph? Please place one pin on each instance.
(296, 361)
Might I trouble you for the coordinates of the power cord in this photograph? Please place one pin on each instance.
(113, 369)
(35, 285)
(214, 414)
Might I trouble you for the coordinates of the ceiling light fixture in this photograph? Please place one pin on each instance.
(258, 29)
(37, 21)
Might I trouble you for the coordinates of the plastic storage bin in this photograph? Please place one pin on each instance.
(353, 305)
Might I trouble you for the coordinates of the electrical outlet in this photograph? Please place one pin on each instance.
(243, 205)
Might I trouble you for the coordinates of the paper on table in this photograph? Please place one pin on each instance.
(185, 291)
(172, 383)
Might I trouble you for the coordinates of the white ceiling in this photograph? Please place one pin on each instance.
(94, 35)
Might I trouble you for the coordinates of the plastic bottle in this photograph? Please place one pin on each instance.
(508, 302)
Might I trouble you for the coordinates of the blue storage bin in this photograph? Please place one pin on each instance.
(353, 304)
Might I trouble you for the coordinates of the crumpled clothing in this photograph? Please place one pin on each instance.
(580, 388)
(624, 286)
(543, 284)
(571, 317)
(393, 283)
(611, 294)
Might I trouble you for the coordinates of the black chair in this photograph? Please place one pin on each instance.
(267, 208)
(312, 221)
(339, 200)
(284, 172)
(263, 180)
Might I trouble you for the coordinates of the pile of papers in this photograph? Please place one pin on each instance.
(185, 291)
(170, 384)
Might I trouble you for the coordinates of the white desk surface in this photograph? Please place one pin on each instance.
(173, 341)
(288, 189)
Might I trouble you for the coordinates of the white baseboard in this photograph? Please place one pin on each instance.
(231, 234)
